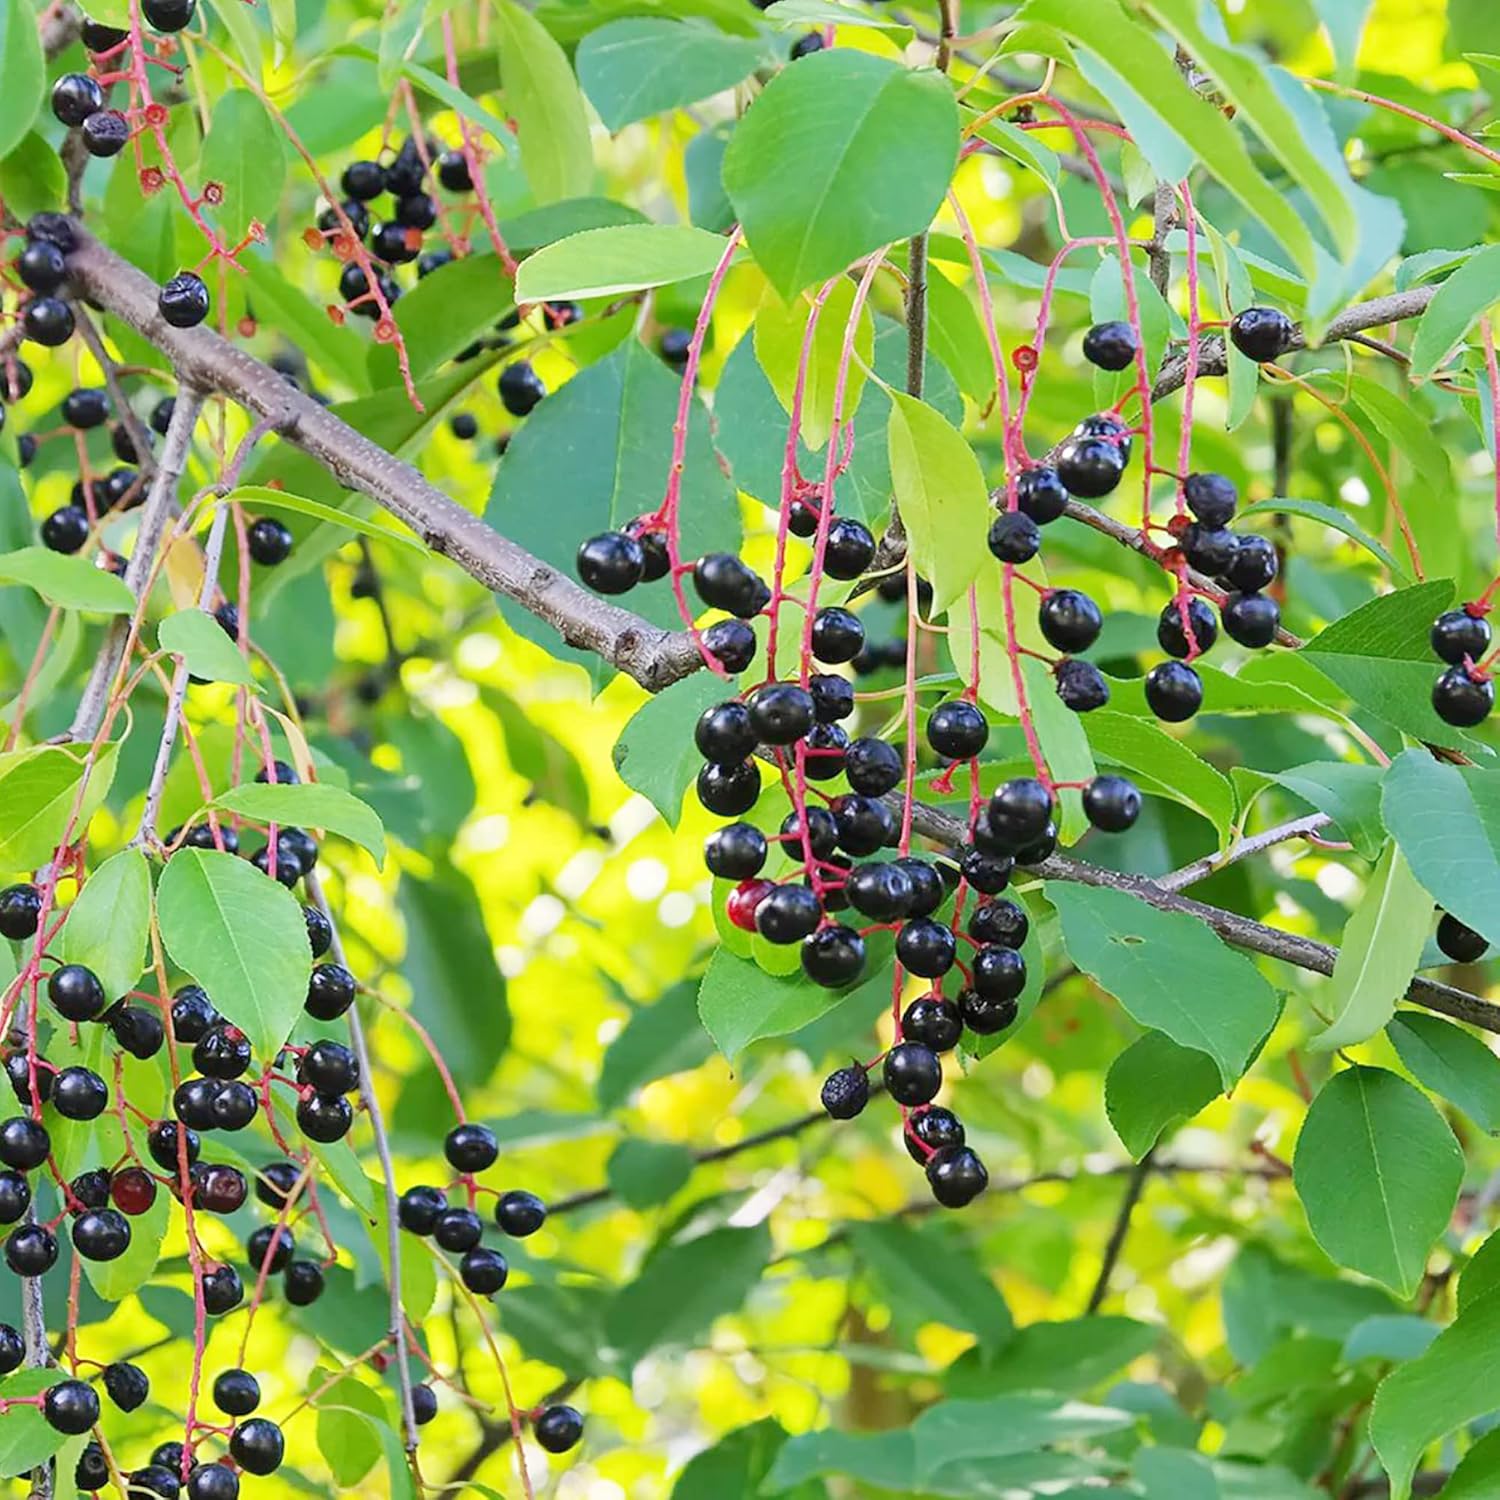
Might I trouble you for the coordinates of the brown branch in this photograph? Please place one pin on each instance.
(1135, 1185)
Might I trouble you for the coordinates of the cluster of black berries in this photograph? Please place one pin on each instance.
(424, 1210)
(256, 1446)
(1463, 694)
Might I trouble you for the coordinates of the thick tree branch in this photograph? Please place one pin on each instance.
(654, 657)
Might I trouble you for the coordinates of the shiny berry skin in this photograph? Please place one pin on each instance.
(724, 733)
(845, 1092)
(521, 389)
(989, 874)
(934, 1128)
(731, 643)
(1111, 803)
(742, 902)
(825, 749)
(31, 1250)
(332, 1068)
(864, 823)
(223, 1052)
(419, 1208)
(91, 1471)
(1460, 942)
(133, 1190)
(457, 1229)
(161, 415)
(396, 245)
(15, 1197)
(833, 956)
(484, 1271)
(86, 408)
(139, 1031)
(873, 766)
(1000, 922)
(932, 1021)
(71, 1406)
(558, 1429)
(611, 563)
(1173, 638)
(1080, 685)
(926, 886)
(24, 1143)
(193, 1102)
(1461, 700)
(212, 1481)
(728, 790)
(105, 133)
(288, 866)
(363, 180)
(416, 211)
(1209, 549)
(957, 730)
(999, 973)
(1110, 346)
(957, 1176)
(1174, 691)
(837, 635)
(1040, 494)
(127, 1385)
(324, 1117)
(1069, 620)
(268, 541)
(822, 833)
(41, 266)
(833, 697)
(275, 1181)
(787, 914)
(66, 529)
(883, 892)
(183, 301)
(1211, 498)
(161, 1142)
(20, 911)
(273, 1241)
(925, 948)
(1020, 810)
(912, 1073)
(319, 931)
(1090, 467)
(1039, 849)
(519, 1213)
(236, 1392)
(221, 1189)
(257, 1446)
(1261, 333)
(75, 96)
(737, 852)
(79, 1094)
(18, 1070)
(1014, 537)
(168, 15)
(1251, 619)
(302, 1282)
(471, 1147)
(848, 549)
(1455, 635)
(91, 1189)
(167, 1456)
(330, 991)
(724, 581)
(223, 1290)
(453, 172)
(653, 545)
(1253, 565)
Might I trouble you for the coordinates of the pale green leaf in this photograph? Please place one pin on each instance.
(22, 72)
(622, 258)
(309, 805)
(1466, 294)
(108, 926)
(68, 581)
(542, 97)
(199, 639)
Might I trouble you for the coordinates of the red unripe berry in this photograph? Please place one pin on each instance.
(133, 1190)
(743, 900)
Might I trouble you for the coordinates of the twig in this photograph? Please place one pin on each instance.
(145, 458)
(1210, 864)
(1134, 1186)
(1159, 257)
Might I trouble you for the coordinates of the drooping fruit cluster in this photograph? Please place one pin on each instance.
(1464, 693)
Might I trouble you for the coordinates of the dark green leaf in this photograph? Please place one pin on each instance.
(646, 1173)
(25, 1438)
(245, 156)
(108, 926)
(1154, 1085)
(655, 754)
(1451, 1062)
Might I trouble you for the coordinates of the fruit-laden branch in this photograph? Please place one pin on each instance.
(654, 657)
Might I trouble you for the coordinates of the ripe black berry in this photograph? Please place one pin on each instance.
(833, 956)
(1014, 537)
(18, 1070)
(989, 874)
(127, 1385)
(161, 1142)
(846, 1092)
(330, 991)
(1251, 619)
(736, 852)
(520, 388)
(731, 643)
(139, 1031)
(396, 245)
(183, 301)
(319, 931)
(75, 96)
(105, 133)
(271, 1246)
(24, 1143)
(824, 750)
(418, 1209)
(1209, 549)
(91, 1189)
(20, 911)
(471, 1147)
(1110, 346)
(1173, 638)
(873, 767)
(1019, 811)
(837, 635)
(268, 541)
(193, 1102)
(220, 1189)
(161, 415)
(1261, 333)
(332, 1068)
(932, 1021)
(1174, 691)
(999, 973)
(193, 1014)
(780, 713)
(1253, 565)
(416, 211)
(222, 1052)
(302, 1282)
(212, 1481)
(558, 1428)
(1090, 467)
(882, 892)
(1457, 634)
(822, 832)
(728, 790)
(1040, 494)
(1080, 685)
(519, 1213)
(848, 549)
(912, 1073)
(484, 1271)
(453, 172)
(724, 732)
(1461, 943)
(926, 948)
(257, 1446)
(91, 1471)
(787, 914)
(324, 1117)
(1462, 700)
(1211, 498)
(457, 1229)
(611, 563)
(1069, 620)
(31, 1250)
(41, 266)
(864, 823)
(363, 180)
(66, 529)
(726, 582)
(15, 1197)
(958, 730)
(957, 1176)
(48, 321)
(71, 1406)
(236, 1392)
(168, 15)
(79, 1094)
(1111, 803)
(1000, 922)
(933, 1128)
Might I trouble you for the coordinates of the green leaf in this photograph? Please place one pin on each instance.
(337, 351)
(1348, 793)
(419, 1275)
(109, 925)
(1448, 1386)
(931, 1279)
(1447, 821)
(309, 805)
(1070, 1356)
(942, 495)
(1331, 515)
(67, 581)
(735, 1465)
(450, 309)
(260, 497)
(1175, 1474)
(886, 1460)
(541, 226)
(38, 790)
(1161, 764)
(22, 80)
(1344, 21)
(245, 155)
(1466, 294)
(1378, 955)
(646, 1173)
(800, 162)
(199, 639)
(624, 258)
(655, 754)
(639, 67)
(32, 178)
(542, 97)
(1001, 1426)
(242, 937)
(1378, 1172)
(1451, 1062)
(658, 1040)
(348, 1414)
(1022, 147)
(827, 13)
(1154, 1085)
(1477, 1476)
(683, 1288)
(1139, 955)
(26, 1440)
(114, 1280)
